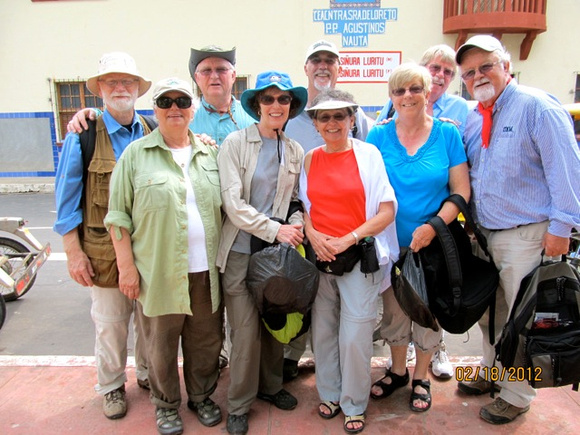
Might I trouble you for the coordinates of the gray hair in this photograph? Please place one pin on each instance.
(446, 53)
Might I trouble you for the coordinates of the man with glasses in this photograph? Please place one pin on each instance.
(82, 194)
(321, 68)
(525, 167)
(440, 61)
(213, 70)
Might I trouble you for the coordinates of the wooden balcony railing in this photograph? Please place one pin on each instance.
(496, 17)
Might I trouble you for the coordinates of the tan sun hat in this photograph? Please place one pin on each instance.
(119, 63)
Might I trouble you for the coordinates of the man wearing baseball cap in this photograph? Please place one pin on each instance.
(321, 67)
(213, 70)
(82, 194)
(525, 167)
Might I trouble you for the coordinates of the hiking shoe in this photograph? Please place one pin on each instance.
(290, 370)
(168, 421)
(114, 403)
(208, 412)
(282, 399)
(411, 355)
(237, 424)
(440, 364)
(144, 383)
(477, 387)
(500, 412)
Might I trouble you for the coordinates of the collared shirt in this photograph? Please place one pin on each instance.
(148, 198)
(446, 106)
(69, 175)
(530, 173)
(219, 125)
(377, 189)
(302, 130)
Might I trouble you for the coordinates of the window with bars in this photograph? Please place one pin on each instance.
(72, 96)
(577, 89)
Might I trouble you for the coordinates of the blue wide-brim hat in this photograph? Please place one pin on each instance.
(281, 81)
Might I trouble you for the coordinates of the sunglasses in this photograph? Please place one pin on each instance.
(337, 117)
(327, 60)
(399, 92)
(208, 71)
(483, 69)
(166, 102)
(268, 100)
(435, 69)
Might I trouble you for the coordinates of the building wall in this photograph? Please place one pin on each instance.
(44, 41)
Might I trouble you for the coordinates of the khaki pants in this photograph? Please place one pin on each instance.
(201, 340)
(256, 357)
(111, 312)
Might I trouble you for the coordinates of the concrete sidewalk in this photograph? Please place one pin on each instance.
(54, 395)
(26, 184)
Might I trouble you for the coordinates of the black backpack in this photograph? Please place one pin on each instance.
(460, 285)
(541, 341)
(88, 140)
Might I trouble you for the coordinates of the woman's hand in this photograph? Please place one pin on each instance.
(324, 246)
(422, 236)
(291, 234)
(129, 281)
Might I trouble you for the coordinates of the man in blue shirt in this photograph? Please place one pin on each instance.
(213, 70)
(440, 61)
(525, 167)
(81, 202)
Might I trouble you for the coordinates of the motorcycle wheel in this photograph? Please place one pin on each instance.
(10, 247)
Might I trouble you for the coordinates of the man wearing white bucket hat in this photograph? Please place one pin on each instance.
(82, 194)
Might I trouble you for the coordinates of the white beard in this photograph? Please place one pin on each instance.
(484, 93)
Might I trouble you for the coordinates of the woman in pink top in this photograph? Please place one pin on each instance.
(349, 208)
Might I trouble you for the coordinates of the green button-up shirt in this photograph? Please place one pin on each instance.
(148, 198)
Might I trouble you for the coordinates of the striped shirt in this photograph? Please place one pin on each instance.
(531, 171)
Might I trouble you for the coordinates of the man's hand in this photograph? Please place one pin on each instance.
(78, 123)
(80, 268)
(206, 139)
(554, 245)
(291, 234)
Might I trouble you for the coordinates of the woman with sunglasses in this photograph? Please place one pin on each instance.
(426, 162)
(259, 172)
(347, 199)
(165, 219)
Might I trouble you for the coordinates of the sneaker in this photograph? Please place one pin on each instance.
(144, 383)
(208, 412)
(281, 400)
(168, 421)
(114, 403)
(440, 365)
(500, 412)
(237, 424)
(478, 387)
(411, 355)
(290, 371)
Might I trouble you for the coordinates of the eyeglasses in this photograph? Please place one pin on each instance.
(337, 117)
(268, 100)
(127, 83)
(166, 102)
(327, 60)
(399, 92)
(483, 69)
(219, 71)
(436, 69)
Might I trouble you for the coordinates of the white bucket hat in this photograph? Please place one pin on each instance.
(120, 63)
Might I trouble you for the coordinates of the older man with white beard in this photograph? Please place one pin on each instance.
(525, 167)
(321, 68)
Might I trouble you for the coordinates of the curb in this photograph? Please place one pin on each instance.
(27, 188)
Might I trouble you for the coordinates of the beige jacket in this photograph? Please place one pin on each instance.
(237, 161)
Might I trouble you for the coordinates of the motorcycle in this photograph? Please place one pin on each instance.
(18, 264)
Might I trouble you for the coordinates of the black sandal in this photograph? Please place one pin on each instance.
(397, 381)
(426, 384)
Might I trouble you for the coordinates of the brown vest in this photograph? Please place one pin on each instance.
(95, 238)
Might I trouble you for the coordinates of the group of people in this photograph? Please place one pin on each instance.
(514, 156)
